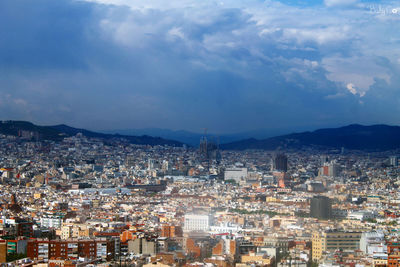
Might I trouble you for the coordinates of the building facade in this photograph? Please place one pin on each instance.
(70, 249)
(197, 222)
(280, 162)
(333, 240)
(321, 207)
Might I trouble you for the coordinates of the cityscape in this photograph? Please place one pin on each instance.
(88, 201)
(200, 133)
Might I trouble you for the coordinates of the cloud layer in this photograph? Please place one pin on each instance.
(187, 64)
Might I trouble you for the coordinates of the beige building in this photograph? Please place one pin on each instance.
(258, 259)
(75, 231)
(333, 240)
(280, 242)
(142, 246)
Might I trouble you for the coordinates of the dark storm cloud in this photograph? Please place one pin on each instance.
(227, 66)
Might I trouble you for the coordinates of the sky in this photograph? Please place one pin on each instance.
(225, 65)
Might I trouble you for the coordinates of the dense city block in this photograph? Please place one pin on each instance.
(88, 201)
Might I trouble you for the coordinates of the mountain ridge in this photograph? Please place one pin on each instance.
(353, 136)
(193, 138)
(58, 132)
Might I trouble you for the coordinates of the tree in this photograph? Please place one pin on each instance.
(15, 256)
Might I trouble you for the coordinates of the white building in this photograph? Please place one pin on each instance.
(361, 215)
(237, 174)
(51, 222)
(373, 242)
(226, 228)
(197, 222)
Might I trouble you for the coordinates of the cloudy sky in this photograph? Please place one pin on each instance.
(226, 65)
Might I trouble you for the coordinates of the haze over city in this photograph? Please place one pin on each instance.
(229, 66)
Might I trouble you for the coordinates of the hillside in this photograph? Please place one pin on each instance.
(58, 132)
(375, 137)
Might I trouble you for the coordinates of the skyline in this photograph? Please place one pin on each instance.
(230, 66)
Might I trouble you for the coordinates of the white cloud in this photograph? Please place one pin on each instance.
(351, 88)
(269, 31)
(176, 32)
(321, 36)
(232, 36)
(355, 72)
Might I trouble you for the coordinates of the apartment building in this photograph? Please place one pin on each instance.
(333, 240)
(70, 249)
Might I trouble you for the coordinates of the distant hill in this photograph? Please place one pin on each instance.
(18, 128)
(143, 139)
(193, 138)
(58, 132)
(186, 137)
(355, 136)
(375, 137)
